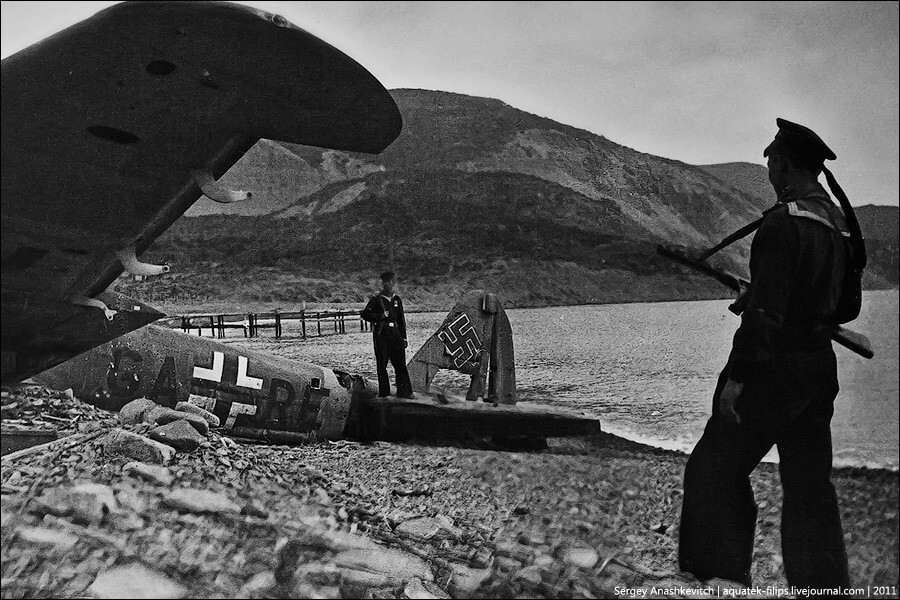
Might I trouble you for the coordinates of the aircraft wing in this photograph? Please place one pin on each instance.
(103, 125)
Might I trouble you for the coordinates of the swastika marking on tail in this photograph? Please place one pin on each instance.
(460, 341)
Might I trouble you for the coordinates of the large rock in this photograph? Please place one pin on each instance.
(514, 550)
(43, 536)
(161, 415)
(483, 558)
(423, 528)
(344, 540)
(134, 411)
(85, 503)
(417, 589)
(152, 473)
(507, 564)
(531, 574)
(396, 566)
(532, 538)
(466, 580)
(258, 585)
(193, 409)
(358, 580)
(200, 501)
(135, 581)
(293, 556)
(584, 558)
(138, 447)
(178, 434)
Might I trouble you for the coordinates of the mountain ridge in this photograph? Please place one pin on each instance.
(474, 192)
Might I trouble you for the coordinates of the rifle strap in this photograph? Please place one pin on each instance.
(737, 235)
(856, 239)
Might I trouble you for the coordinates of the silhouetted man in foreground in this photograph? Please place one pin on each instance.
(779, 385)
(385, 312)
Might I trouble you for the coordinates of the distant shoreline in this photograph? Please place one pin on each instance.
(178, 309)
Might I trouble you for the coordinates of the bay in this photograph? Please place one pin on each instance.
(647, 370)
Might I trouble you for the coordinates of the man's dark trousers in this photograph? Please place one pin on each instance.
(787, 402)
(389, 348)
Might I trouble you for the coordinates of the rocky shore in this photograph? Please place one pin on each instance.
(585, 518)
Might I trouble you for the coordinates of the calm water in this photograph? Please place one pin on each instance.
(647, 371)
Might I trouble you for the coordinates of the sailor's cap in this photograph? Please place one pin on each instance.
(798, 140)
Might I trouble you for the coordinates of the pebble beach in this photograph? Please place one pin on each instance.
(585, 518)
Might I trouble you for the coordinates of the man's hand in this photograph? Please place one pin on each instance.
(727, 399)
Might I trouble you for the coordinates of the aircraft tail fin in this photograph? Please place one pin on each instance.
(476, 339)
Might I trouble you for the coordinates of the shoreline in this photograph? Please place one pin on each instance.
(514, 517)
(836, 467)
(519, 513)
(177, 309)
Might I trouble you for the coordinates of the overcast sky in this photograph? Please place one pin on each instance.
(698, 82)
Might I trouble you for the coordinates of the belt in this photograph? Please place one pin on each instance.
(802, 337)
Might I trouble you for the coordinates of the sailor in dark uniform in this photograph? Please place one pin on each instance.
(779, 386)
(385, 312)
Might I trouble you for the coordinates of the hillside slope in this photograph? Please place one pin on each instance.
(474, 193)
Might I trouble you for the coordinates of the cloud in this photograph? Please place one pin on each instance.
(701, 82)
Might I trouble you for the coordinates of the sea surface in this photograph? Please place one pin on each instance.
(647, 370)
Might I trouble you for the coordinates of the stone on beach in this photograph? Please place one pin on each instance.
(483, 558)
(259, 583)
(513, 550)
(417, 589)
(152, 473)
(584, 558)
(134, 411)
(135, 581)
(531, 538)
(138, 447)
(343, 540)
(255, 508)
(360, 579)
(466, 580)
(85, 503)
(424, 528)
(396, 566)
(193, 409)
(200, 501)
(178, 434)
(161, 415)
(507, 564)
(43, 536)
(530, 574)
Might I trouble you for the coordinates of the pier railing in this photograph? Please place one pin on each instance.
(308, 322)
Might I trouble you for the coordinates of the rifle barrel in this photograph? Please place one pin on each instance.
(727, 279)
(852, 340)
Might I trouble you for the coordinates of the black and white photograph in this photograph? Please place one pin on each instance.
(423, 300)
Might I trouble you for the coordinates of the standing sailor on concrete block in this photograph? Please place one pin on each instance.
(780, 382)
(385, 312)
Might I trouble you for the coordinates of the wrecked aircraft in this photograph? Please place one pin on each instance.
(258, 396)
(130, 116)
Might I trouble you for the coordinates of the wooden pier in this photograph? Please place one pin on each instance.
(309, 322)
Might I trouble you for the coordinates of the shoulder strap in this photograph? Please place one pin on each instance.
(805, 212)
(856, 239)
(737, 235)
